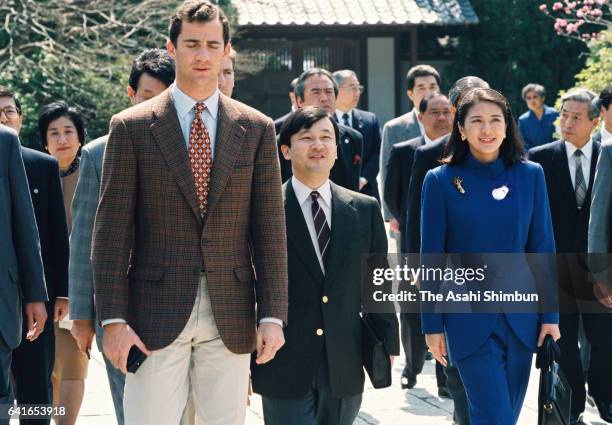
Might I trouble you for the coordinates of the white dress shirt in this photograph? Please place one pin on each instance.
(185, 109)
(605, 134)
(428, 140)
(339, 114)
(587, 152)
(302, 193)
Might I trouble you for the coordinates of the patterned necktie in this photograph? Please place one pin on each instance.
(200, 156)
(345, 120)
(580, 185)
(321, 226)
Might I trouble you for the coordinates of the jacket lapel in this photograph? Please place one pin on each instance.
(298, 235)
(228, 145)
(560, 165)
(343, 227)
(167, 133)
(594, 157)
(357, 120)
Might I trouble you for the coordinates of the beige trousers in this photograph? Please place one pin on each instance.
(198, 361)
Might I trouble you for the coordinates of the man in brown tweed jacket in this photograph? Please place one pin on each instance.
(190, 212)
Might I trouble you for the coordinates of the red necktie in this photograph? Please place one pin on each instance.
(200, 156)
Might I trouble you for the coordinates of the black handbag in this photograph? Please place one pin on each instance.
(555, 394)
(376, 360)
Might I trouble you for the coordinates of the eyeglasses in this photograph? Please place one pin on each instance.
(9, 111)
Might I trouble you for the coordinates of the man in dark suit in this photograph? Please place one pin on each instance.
(22, 278)
(366, 123)
(316, 87)
(569, 167)
(605, 110)
(436, 117)
(317, 377)
(426, 158)
(32, 363)
(279, 121)
(190, 195)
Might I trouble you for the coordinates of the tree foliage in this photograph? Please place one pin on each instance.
(78, 51)
(513, 45)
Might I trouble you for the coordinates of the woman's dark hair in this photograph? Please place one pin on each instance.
(511, 149)
(304, 118)
(56, 110)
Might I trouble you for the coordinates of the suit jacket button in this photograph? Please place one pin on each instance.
(319, 332)
(35, 190)
(325, 299)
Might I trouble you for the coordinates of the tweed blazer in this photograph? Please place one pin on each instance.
(84, 206)
(150, 245)
(22, 278)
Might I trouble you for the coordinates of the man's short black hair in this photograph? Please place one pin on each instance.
(304, 118)
(299, 86)
(155, 62)
(425, 101)
(605, 97)
(421, 71)
(6, 92)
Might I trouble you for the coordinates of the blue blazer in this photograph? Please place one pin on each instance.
(475, 222)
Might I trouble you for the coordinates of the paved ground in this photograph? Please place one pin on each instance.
(390, 406)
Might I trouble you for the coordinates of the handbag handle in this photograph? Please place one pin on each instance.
(548, 353)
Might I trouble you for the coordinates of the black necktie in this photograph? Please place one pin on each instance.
(345, 120)
(321, 226)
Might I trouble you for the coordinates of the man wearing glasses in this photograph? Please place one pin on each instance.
(347, 113)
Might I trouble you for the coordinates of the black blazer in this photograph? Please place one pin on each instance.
(346, 169)
(425, 158)
(357, 227)
(397, 179)
(278, 123)
(366, 123)
(570, 224)
(46, 191)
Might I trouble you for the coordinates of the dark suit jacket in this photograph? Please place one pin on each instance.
(397, 180)
(597, 137)
(425, 158)
(366, 123)
(46, 192)
(22, 278)
(357, 228)
(570, 224)
(346, 169)
(278, 123)
(150, 243)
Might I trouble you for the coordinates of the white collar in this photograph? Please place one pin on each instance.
(587, 150)
(605, 134)
(428, 140)
(302, 192)
(184, 103)
(339, 114)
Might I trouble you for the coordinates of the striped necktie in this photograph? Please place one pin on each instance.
(580, 185)
(321, 226)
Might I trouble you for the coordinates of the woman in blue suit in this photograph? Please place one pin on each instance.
(487, 199)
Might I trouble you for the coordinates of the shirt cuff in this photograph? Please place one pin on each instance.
(109, 321)
(61, 298)
(279, 322)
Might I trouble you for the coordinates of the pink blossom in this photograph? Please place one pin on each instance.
(579, 14)
(562, 22)
(567, 10)
(570, 28)
(597, 12)
(557, 5)
(543, 8)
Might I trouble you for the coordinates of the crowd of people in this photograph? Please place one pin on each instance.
(208, 248)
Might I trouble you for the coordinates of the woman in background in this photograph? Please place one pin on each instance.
(62, 134)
